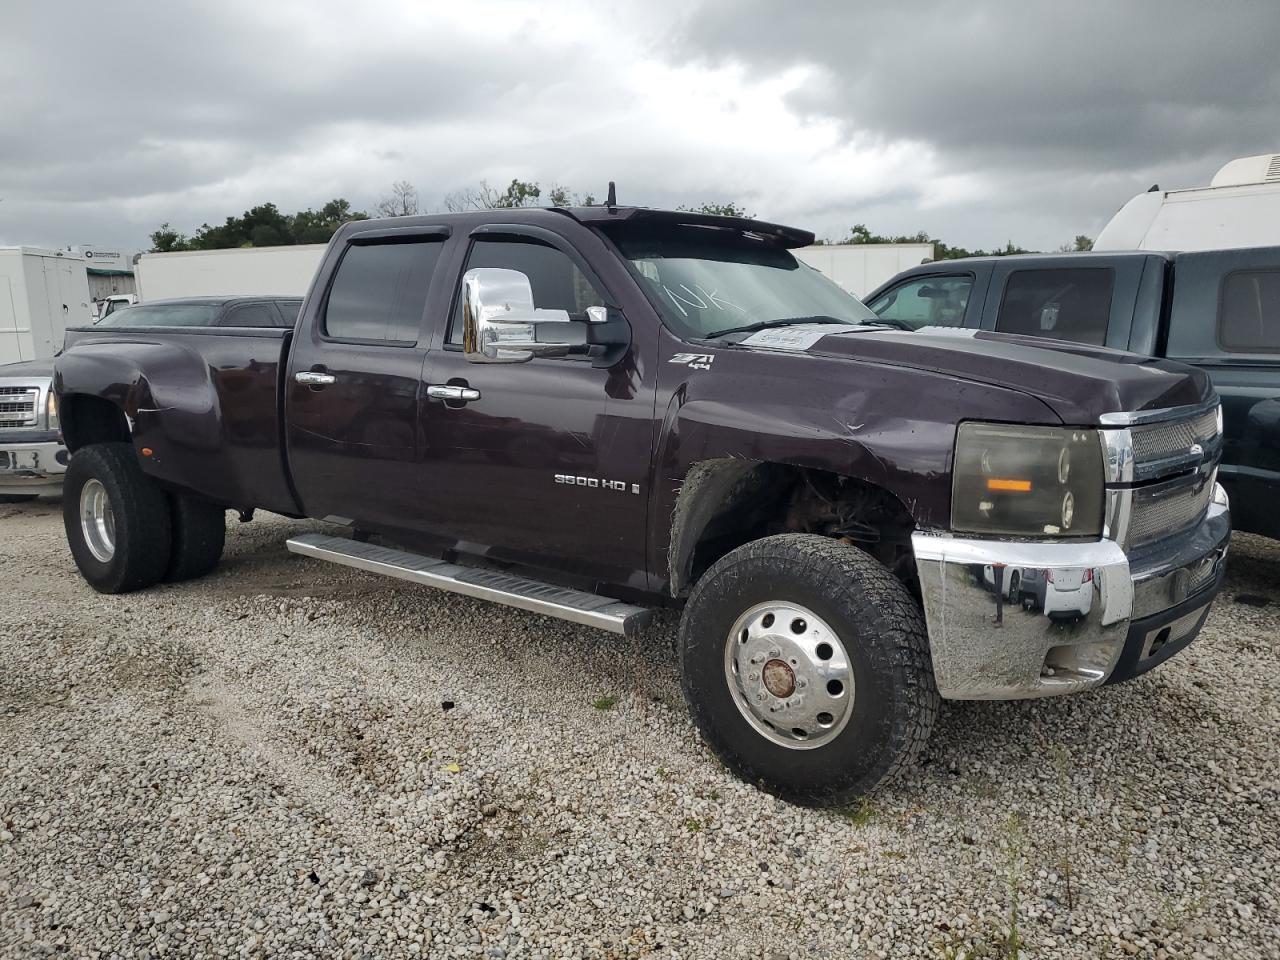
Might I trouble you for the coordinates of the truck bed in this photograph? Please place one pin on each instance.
(205, 401)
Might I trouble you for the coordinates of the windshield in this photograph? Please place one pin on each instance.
(163, 315)
(707, 282)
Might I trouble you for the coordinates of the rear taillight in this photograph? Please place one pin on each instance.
(1048, 576)
(1088, 575)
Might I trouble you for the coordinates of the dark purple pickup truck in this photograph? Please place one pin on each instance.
(592, 412)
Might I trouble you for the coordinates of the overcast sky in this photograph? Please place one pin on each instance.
(977, 122)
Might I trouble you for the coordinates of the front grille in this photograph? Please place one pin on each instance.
(18, 406)
(1167, 509)
(1156, 442)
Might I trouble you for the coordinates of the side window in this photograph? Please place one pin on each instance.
(380, 291)
(1070, 303)
(926, 301)
(251, 315)
(1249, 312)
(557, 282)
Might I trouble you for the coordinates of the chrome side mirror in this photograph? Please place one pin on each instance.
(500, 323)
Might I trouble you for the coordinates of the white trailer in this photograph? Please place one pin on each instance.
(1239, 208)
(248, 271)
(42, 292)
(861, 267)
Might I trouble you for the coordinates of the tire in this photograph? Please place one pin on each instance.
(18, 497)
(139, 519)
(1015, 587)
(199, 534)
(891, 702)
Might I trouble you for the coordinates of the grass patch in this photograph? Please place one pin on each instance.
(607, 702)
(859, 815)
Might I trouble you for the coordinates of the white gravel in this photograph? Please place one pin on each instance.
(261, 764)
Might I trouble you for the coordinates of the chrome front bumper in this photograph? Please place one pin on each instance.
(32, 467)
(984, 604)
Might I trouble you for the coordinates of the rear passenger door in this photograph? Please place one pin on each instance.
(353, 388)
(1225, 319)
(1077, 298)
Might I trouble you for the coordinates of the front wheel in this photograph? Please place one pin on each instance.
(805, 665)
(116, 518)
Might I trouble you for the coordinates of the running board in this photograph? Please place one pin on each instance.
(496, 585)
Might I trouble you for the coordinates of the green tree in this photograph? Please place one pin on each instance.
(720, 210)
(859, 233)
(167, 240)
(261, 226)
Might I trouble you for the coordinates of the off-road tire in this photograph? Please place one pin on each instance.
(883, 632)
(199, 534)
(141, 513)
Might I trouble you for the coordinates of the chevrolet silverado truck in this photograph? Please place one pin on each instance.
(1218, 310)
(32, 455)
(592, 412)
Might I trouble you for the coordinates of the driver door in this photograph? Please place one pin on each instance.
(546, 461)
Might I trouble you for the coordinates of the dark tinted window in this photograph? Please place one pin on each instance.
(926, 302)
(1071, 303)
(1249, 317)
(380, 291)
(261, 314)
(164, 315)
(557, 282)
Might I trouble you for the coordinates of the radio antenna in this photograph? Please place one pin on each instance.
(611, 201)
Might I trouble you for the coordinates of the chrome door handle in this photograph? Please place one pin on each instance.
(448, 391)
(315, 378)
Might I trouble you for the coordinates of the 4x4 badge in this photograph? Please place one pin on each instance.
(694, 361)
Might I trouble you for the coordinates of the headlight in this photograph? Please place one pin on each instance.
(1027, 481)
(51, 411)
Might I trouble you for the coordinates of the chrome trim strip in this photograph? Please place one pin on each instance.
(573, 605)
(1126, 418)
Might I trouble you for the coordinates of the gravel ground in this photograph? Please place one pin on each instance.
(293, 759)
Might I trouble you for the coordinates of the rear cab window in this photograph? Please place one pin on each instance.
(1063, 303)
(258, 314)
(379, 292)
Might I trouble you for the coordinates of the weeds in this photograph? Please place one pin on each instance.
(1066, 843)
(607, 702)
(859, 815)
(1014, 845)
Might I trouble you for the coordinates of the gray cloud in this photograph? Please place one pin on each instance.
(981, 123)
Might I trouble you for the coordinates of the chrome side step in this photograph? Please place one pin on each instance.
(505, 588)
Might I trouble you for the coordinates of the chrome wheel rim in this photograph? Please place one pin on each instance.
(789, 675)
(97, 521)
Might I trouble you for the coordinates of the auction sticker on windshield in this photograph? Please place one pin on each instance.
(790, 338)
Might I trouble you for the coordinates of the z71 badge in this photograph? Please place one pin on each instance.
(694, 361)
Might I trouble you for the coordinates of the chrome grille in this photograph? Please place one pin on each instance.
(18, 406)
(1165, 510)
(1160, 441)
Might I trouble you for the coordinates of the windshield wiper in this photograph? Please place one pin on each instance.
(888, 322)
(767, 324)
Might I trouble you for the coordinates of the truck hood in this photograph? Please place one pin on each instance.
(1079, 382)
(28, 369)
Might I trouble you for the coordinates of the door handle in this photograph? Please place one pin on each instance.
(314, 378)
(449, 391)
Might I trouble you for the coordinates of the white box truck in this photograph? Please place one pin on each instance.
(42, 292)
(1239, 208)
(861, 267)
(248, 271)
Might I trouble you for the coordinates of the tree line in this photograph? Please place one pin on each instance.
(267, 226)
